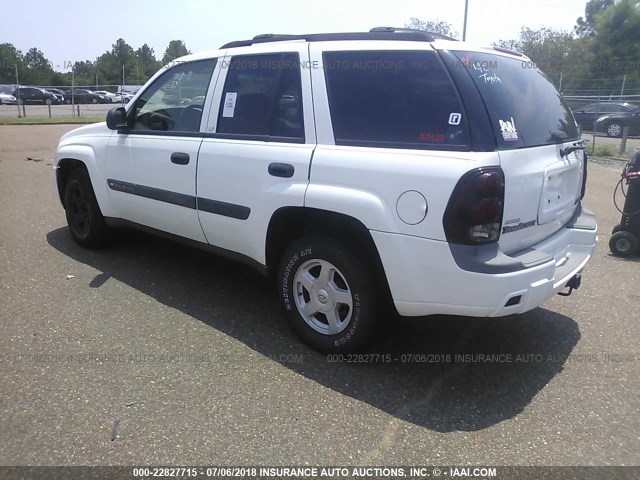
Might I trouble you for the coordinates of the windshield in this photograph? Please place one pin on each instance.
(524, 107)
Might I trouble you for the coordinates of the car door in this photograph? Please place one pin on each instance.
(256, 156)
(151, 165)
(29, 95)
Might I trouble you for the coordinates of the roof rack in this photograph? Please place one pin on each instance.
(377, 33)
(433, 35)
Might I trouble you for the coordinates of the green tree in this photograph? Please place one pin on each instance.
(617, 40)
(176, 49)
(84, 73)
(110, 64)
(147, 64)
(10, 56)
(38, 68)
(435, 26)
(586, 26)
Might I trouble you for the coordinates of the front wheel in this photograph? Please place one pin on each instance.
(84, 217)
(327, 294)
(614, 130)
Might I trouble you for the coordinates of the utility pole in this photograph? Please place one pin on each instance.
(560, 86)
(464, 28)
(624, 79)
(18, 90)
(73, 89)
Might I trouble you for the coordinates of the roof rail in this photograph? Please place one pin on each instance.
(433, 35)
(377, 33)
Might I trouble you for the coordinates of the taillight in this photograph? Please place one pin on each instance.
(474, 212)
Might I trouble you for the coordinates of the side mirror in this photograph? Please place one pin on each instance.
(117, 118)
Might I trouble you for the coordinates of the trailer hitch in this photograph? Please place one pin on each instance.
(572, 284)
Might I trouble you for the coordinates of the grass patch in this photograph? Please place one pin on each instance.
(602, 151)
(52, 120)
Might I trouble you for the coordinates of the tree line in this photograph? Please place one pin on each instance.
(601, 52)
(35, 69)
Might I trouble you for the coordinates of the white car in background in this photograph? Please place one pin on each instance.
(6, 99)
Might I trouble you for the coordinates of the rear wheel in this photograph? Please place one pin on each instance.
(327, 294)
(94, 100)
(48, 101)
(623, 244)
(84, 217)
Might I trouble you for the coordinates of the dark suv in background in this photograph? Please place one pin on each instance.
(81, 95)
(34, 95)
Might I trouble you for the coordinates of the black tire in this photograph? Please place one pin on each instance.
(349, 280)
(614, 129)
(48, 101)
(85, 220)
(623, 244)
(94, 100)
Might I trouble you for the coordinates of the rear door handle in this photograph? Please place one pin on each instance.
(180, 158)
(283, 170)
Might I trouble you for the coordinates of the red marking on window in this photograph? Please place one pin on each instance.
(431, 137)
(466, 60)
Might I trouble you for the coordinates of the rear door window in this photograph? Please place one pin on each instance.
(263, 97)
(402, 99)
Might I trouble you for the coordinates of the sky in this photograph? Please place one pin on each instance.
(73, 30)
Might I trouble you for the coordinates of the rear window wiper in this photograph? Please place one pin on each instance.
(580, 145)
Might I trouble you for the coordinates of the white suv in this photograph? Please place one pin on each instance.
(359, 169)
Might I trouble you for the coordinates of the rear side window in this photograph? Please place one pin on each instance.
(401, 99)
(263, 96)
(525, 108)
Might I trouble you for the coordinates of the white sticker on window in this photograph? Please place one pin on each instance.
(508, 130)
(229, 104)
(455, 118)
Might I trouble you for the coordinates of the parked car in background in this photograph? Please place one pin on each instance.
(59, 98)
(588, 114)
(114, 97)
(82, 95)
(58, 92)
(35, 95)
(614, 123)
(6, 99)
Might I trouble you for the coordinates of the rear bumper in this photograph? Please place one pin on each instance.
(429, 277)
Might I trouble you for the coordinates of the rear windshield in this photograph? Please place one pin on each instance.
(524, 107)
(393, 99)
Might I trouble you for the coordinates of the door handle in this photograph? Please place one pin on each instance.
(283, 170)
(180, 158)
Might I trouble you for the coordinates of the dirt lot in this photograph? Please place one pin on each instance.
(184, 358)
